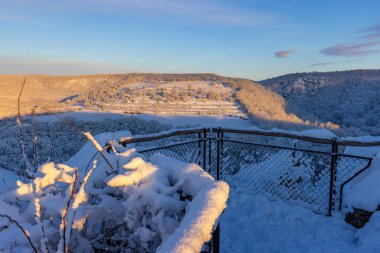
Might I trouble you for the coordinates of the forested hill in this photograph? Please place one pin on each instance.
(347, 100)
(350, 99)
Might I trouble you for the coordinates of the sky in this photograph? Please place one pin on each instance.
(254, 39)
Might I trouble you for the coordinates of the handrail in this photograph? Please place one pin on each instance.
(358, 143)
(151, 137)
(283, 134)
(276, 134)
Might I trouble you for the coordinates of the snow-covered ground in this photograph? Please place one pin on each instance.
(163, 206)
(174, 120)
(252, 223)
(8, 180)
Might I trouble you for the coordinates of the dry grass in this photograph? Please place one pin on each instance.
(41, 90)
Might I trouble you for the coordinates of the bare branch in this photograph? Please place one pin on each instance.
(36, 156)
(38, 217)
(29, 169)
(86, 134)
(63, 225)
(79, 198)
(25, 232)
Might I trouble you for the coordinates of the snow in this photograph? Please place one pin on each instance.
(318, 133)
(174, 120)
(171, 206)
(252, 223)
(8, 180)
(362, 151)
(364, 191)
(203, 211)
(126, 138)
(137, 170)
(367, 138)
(313, 133)
(81, 159)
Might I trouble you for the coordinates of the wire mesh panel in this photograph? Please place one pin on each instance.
(347, 167)
(190, 152)
(211, 160)
(289, 174)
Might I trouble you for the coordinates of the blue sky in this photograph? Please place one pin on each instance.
(256, 39)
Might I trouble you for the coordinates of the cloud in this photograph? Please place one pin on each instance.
(283, 54)
(370, 33)
(365, 44)
(354, 49)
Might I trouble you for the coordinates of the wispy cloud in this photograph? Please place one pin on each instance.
(352, 49)
(283, 54)
(366, 43)
(370, 33)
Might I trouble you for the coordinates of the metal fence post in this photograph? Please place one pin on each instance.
(216, 239)
(199, 148)
(218, 155)
(221, 147)
(334, 159)
(209, 155)
(204, 148)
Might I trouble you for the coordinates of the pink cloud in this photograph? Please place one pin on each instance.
(283, 54)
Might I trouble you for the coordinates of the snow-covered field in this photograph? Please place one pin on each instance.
(173, 120)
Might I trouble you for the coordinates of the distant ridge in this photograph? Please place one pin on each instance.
(349, 98)
(347, 102)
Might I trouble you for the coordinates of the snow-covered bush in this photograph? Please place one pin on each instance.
(123, 203)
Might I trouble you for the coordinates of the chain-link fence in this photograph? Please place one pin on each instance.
(294, 175)
(311, 174)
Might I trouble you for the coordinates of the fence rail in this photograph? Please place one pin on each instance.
(313, 176)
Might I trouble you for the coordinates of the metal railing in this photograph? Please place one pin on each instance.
(308, 171)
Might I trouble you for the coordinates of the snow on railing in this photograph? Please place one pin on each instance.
(313, 135)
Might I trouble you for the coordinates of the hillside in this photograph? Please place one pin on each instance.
(45, 91)
(350, 99)
(161, 97)
(347, 102)
(170, 94)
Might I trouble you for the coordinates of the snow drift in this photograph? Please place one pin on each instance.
(364, 191)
